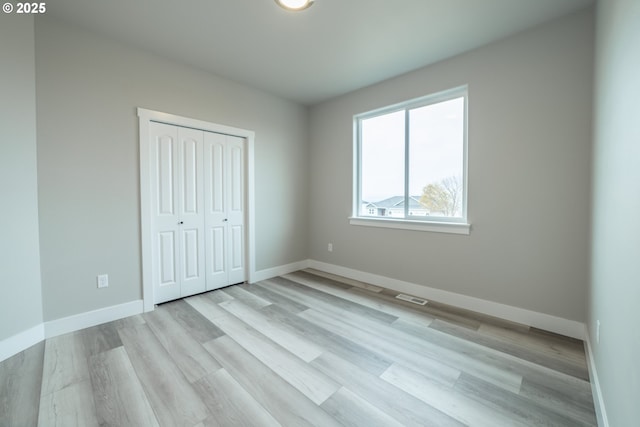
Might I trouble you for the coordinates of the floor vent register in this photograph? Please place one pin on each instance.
(414, 300)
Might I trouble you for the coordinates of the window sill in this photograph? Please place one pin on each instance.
(437, 227)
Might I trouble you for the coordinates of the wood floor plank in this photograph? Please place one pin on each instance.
(444, 398)
(523, 367)
(569, 347)
(519, 408)
(473, 316)
(172, 398)
(296, 344)
(252, 300)
(129, 321)
(432, 309)
(273, 297)
(558, 339)
(65, 363)
(411, 349)
(231, 404)
(325, 301)
(345, 280)
(283, 401)
(187, 353)
(351, 410)
(71, 406)
(119, 397)
(497, 368)
(302, 276)
(100, 338)
(551, 359)
(20, 384)
(387, 398)
(348, 350)
(531, 338)
(218, 296)
(574, 400)
(195, 323)
(372, 342)
(366, 299)
(313, 384)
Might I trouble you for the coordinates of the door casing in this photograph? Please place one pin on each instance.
(145, 117)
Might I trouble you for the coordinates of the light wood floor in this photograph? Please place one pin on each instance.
(302, 349)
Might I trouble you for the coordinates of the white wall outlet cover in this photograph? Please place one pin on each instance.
(103, 280)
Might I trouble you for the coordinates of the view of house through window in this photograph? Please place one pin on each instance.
(412, 160)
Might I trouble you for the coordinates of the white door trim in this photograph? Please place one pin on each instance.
(145, 117)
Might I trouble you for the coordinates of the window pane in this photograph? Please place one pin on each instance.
(382, 167)
(436, 145)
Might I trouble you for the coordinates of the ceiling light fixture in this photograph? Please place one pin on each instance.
(294, 5)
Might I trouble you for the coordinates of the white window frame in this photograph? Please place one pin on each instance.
(434, 224)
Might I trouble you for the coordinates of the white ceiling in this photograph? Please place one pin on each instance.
(332, 48)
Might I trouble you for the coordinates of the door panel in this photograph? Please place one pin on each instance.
(235, 213)
(216, 168)
(193, 279)
(164, 183)
(236, 250)
(165, 147)
(217, 255)
(216, 270)
(191, 162)
(167, 265)
(236, 175)
(190, 175)
(190, 240)
(236, 247)
(215, 208)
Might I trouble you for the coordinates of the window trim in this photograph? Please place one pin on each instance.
(458, 225)
(407, 224)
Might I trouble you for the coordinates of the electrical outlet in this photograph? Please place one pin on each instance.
(103, 281)
(330, 247)
(597, 332)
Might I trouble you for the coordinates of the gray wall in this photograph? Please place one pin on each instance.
(21, 302)
(615, 283)
(530, 101)
(88, 163)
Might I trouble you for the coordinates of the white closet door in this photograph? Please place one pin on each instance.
(215, 208)
(164, 204)
(235, 210)
(191, 212)
(224, 206)
(178, 212)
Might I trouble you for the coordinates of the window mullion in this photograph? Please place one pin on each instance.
(406, 162)
(357, 155)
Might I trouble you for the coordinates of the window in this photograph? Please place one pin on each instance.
(412, 158)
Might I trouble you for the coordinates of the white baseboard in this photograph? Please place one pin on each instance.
(598, 401)
(76, 322)
(21, 341)
(269, 273)
(570, 328)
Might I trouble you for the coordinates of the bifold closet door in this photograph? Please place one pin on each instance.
(224, 207)
(178, 213)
